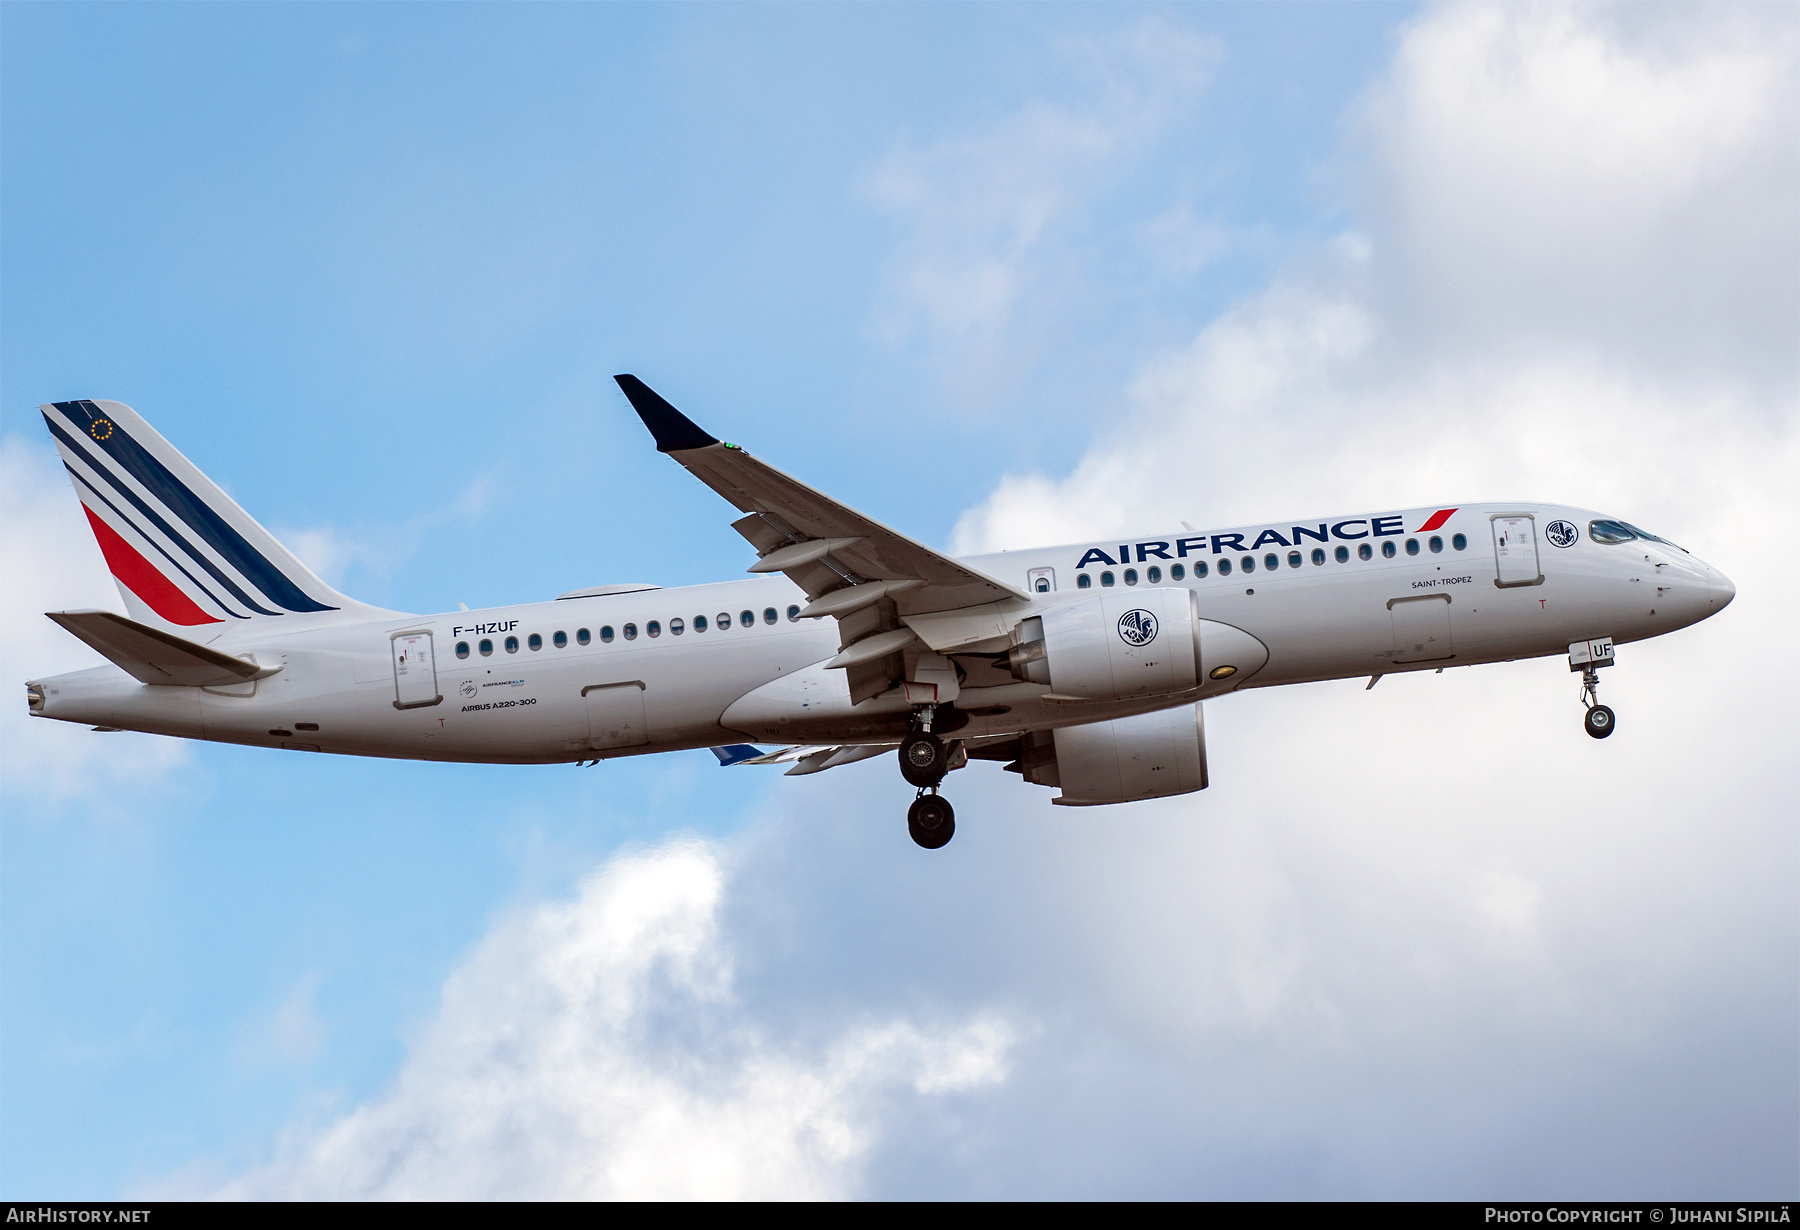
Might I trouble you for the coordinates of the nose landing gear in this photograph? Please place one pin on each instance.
(1586, 657)
(1599, 721)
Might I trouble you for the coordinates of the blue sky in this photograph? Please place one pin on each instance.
(996, 275)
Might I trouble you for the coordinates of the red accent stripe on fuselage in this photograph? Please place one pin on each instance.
(142, 578)
(1436, 522)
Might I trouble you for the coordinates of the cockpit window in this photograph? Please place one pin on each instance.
(1646, 534)
(1610, 531)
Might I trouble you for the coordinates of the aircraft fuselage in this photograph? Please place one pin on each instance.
(657, 670)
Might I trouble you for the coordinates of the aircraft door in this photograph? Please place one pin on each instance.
(1040, 580)
(1422, 628)
(415, 670)
(1515, 550)
(615, 713)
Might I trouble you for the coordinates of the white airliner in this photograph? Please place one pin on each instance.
(1082, 668)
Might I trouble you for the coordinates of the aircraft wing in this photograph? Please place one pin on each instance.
(869, 577)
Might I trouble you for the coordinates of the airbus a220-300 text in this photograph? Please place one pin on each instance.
(1084, 669)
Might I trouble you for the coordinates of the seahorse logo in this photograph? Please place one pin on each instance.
(1137, 627)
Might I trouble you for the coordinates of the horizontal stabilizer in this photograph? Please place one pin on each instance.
(832, 757)
(736, 753)
(816, 758)
(152, 656)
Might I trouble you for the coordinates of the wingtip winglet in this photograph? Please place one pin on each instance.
(673, 430)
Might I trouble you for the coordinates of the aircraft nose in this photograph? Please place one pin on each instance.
(1723, 591)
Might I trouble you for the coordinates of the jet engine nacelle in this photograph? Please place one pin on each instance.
(1125, 646)
(1149, 756)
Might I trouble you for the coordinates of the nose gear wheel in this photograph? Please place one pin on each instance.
(1600, 721)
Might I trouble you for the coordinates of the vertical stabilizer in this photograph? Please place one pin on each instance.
(183, 552)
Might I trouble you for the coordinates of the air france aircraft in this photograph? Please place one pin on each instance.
(1081, 668)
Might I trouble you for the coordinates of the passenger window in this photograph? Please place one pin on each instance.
(1131, 576)
(769, 615)
(1435, 543)
(1387, 549)
(1412, 546)
(1177, 572)
(606, 634)
(1083, 581)
(1154, 575)
(1364, 551)
(1271, 561)
(1248, 563)
(1106, 580)
(653, 628)
(1199, 568)
(676, 627)
(582, 637)
(1294, 560)
(1318, 555)
(560, 640)
(1342, 554)
(794, 613)
(512, 644)
(1459, 542)
(724, 621)
(699, 623)
(487, 647)
(1224, 567)
(747, 618)
(462, 649)
(534, 642)
(631, 632)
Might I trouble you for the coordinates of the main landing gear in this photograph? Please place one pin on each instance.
(924, 759)
(931, 820)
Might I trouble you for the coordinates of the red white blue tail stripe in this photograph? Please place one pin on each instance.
(180, 548)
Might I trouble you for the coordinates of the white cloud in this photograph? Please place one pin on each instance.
(1180, 245)
(1549, 208)
(334, 553)
(1369, 960)
(48, 554)
(1571, 279)
(290, 1032)
(987, 216)
(593, 1049)
(1619, 178)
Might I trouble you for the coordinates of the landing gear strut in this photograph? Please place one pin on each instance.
(931, 820)
(1587, 657)
(1600, 720)
(924, 759)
